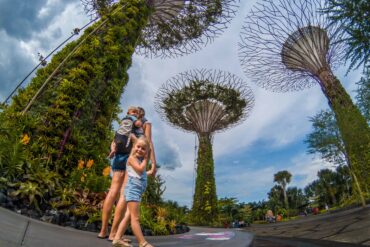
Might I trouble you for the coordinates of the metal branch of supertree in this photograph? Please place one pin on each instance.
(177, 27)
(204, 101)
(286, 44)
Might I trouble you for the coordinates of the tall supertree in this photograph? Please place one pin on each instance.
(73, 99)
(287, 46)
(204, 102)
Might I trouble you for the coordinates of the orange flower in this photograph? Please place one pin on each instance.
(106, 171)
(25, 139)
(89, 164)
(80, 164)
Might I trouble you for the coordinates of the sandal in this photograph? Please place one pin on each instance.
(127, 240)
(145, 244)
(120, 243)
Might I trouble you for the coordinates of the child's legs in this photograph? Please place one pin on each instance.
(134, 209)
(123, 224)
(111, 197)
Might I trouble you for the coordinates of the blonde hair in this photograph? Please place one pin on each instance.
(132, 108)
(144, 140)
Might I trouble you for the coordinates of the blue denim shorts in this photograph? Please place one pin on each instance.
(134, 189)
(118, 162)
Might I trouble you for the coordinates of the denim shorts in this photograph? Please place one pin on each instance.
(134, 189)
(118, 162)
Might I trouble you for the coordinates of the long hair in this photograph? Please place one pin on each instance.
(144, 140)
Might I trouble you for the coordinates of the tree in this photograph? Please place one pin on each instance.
(326, 139)
(282, 178)
(353, 18)
(363, 94)
(296, 198)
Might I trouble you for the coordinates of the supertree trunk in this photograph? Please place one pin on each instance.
(74, 114)
(205, 199)
(353, 128)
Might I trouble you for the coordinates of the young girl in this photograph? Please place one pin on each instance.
(135, 187)
(144, 130)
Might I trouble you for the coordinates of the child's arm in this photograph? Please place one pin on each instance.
(112, 149)
(139, 167)
(133, 138)
(138, 123)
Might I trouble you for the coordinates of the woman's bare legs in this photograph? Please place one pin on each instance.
(115, 187)
(119, 211)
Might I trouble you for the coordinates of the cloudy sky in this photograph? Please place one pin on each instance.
(246, 157)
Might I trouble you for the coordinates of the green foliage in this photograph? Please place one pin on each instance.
(326, 139)
(204, 210)
(331, 187)
(154, 190)
(73, 115)
(231, 99)
(88, 175)
(282, 178)
(363, 95)
(353, 18)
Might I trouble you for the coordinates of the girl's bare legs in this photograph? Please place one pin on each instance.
(134, 209)
(111, 197)
(123, 224)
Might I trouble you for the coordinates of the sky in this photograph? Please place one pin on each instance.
(246, 157)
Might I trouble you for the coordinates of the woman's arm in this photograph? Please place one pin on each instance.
(139, 167)
(148, 134)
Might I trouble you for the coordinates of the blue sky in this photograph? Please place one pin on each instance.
(246, 157)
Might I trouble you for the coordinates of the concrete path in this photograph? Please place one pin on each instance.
(349, 226)
(17, 230)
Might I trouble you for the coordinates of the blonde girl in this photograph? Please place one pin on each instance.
(135, 187)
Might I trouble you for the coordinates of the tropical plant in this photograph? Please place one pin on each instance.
(282, 178)
(353, 18)
(326, 139)
(363, 94)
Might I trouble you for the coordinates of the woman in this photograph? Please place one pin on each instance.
(145, 130)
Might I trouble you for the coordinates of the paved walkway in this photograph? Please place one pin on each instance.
(17, 230)
(350, 226)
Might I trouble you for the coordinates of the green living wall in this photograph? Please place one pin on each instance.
(71, 119)
(205, 210)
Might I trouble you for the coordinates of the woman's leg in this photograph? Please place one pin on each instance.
(119, 211)
(115, 187)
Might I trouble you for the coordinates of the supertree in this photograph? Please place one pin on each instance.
(204, 102)
(74, 98)
(289, 45)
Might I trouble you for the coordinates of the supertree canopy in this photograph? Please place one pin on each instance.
(289, 45)
(177, 27)
(204, 102)
(74, 98)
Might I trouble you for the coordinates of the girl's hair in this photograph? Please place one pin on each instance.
(141, 111)
(144, 140)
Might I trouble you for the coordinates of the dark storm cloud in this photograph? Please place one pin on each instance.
(14, 65)
(21, 18)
